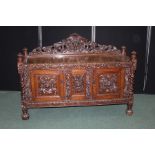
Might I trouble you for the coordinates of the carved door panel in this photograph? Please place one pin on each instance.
(108, 83)
(76, 89)
(47, 85)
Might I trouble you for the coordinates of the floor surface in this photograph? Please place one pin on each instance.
(95, 117)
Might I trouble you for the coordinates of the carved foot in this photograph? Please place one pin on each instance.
(129, 112)
(25, 114)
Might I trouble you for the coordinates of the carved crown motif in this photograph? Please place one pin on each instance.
(74, 44)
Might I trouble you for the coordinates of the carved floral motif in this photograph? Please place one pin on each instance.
(127, 82)
(88, 83)
(47, 85)
(68, 86)
(108, 83)
(75, 44)
(82, 66)
(78, 84)
(25, 84)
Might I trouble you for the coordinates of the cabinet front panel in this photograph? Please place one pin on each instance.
(108, 83)
(47, 85)
(78, 84)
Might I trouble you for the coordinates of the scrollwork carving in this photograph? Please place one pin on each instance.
(88, 83)
(127, 82)
(82, 66)
(78, 84)
(68, 85)
(26, 84)
(47, 85)
(108, 83)
(75, 44)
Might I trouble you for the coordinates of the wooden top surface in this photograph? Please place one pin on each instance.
(65, 59)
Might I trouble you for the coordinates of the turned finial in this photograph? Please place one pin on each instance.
(134, 59)
(19, 62)
(123, 50)
(20, 58)
(25, 51)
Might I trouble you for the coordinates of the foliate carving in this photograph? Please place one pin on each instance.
(20, 68)
(68, 85)
(24, 79)
(132, 73)
(127, 82)
(84, 102)
(78, 83)
(82, 66)
(25, 84)
(20, 63)
(47, 85)
(108, 83)
(75, 44)
(88, 83)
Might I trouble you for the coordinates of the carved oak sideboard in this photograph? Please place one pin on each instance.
(76, 72)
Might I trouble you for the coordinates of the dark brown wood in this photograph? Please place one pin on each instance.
(76, 72)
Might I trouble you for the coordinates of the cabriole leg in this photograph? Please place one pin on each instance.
(25, 114)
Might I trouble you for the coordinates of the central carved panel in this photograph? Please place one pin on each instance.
(47, 85)
(78, 84)
(108, 83)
